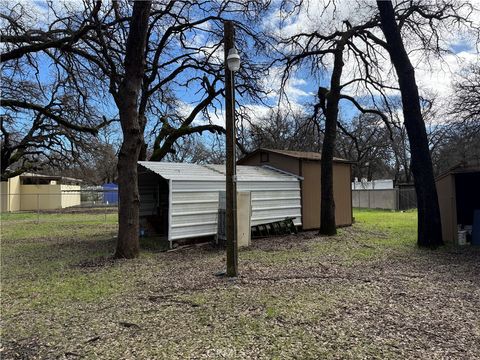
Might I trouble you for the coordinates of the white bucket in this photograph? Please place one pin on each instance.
(468, 229)
(462, 237)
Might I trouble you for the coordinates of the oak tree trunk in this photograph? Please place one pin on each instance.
(327, 207)
(429, 225)
(127, 103)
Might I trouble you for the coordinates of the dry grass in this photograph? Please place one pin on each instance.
(367, 293)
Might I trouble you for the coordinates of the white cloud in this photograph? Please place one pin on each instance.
(294, 87)
(324, 16)
(438, 77)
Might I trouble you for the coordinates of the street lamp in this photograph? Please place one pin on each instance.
(233, 60)
(232, 64)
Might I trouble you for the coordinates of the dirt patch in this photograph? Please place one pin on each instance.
(277, 243)
(100, 262)
(23, 349)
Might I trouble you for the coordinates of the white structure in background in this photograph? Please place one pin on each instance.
(363, 184)
(380, 194)
(183, 199)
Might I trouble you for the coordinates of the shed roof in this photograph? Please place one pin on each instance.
(257, 173)
(182, 171)
(459, 169)
(185, 171)
(305, 155)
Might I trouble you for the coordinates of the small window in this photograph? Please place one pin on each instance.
(264, 157)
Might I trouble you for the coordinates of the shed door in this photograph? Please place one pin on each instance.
(467, 196)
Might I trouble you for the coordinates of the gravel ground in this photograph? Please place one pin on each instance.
(360, 295)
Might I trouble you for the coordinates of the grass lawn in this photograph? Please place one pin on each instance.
(366, 293)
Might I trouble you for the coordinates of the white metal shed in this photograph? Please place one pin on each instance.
(181, 200)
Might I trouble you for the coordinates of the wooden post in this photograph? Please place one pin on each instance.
(38, 208)
(231, 188)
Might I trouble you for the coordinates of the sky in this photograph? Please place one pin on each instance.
(434, 77)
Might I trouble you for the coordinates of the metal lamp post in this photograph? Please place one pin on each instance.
(232, 64)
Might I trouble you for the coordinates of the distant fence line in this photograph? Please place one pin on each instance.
(73, 200)
(389, 199)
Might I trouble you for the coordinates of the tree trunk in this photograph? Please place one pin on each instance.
(429, 225)
(327, 207)
(127, 103)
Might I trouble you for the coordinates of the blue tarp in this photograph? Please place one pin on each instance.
(476, 228)
(110, 193)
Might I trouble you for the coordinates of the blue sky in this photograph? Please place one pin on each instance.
(434, 78)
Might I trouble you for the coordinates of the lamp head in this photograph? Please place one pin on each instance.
(233, 60)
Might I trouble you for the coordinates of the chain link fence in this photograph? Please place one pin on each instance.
(95, 205)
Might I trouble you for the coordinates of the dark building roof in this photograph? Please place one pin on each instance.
(305, 155)
(459, 169)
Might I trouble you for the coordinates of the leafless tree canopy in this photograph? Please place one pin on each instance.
(287, 130)
(466, 105)
(48, 116)
(193, 149)
(83, 47)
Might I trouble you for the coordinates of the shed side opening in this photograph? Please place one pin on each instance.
(467, 197)
(154, 203)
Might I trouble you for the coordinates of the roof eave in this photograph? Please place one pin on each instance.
(248, 156)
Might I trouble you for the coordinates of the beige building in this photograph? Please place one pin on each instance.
(458, 198)
(307, 166)
(38, 192)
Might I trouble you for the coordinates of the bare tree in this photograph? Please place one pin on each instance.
(459, 145)
(357, 41)
(197, 150)
(378, 152)
(183, 43)
(21, 41)
(429, 223)
(366, 141)
(466, 104)
(95, 166)
(322, 50)
(45, 120)
(126, 99)
(424, 24)
(42, 123)
(284, 129)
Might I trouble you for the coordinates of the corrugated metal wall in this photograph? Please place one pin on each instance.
(193, 197)
(275, 196)
(194, 207)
